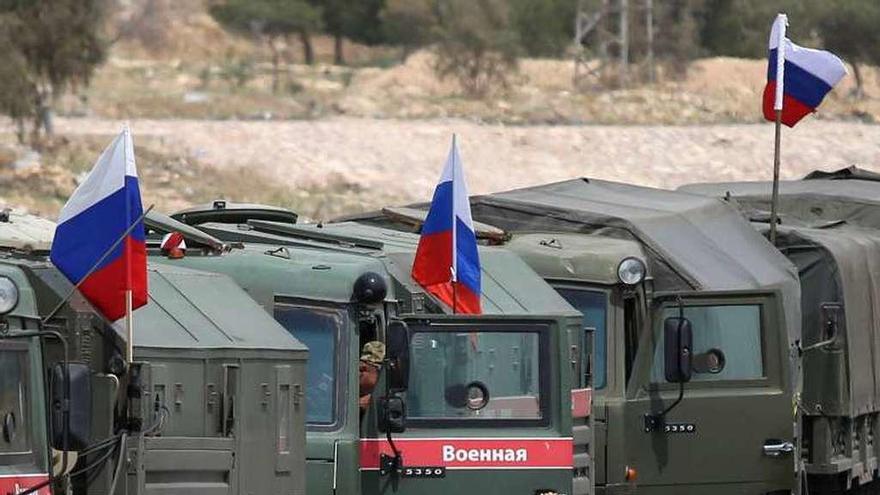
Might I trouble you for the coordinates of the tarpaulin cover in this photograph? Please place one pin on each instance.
(840, 264)
(828, 229)
(693, 242)
(849, 194)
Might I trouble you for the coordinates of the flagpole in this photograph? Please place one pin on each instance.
(454, 232)
(774, 201)
(781, 24)
(129, 327)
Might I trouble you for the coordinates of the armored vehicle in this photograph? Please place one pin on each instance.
(696, 321)
(211, 404)
(494, 403)
(829, 229)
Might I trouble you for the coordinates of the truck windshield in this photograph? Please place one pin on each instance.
(319, 328)
(16, 447)
(734, 329)
(594, 305)
(474, 374)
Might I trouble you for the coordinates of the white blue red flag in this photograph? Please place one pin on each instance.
(798, 78)
(96, 216)
(447, 263)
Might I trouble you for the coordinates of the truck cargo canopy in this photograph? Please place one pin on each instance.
(693, 242)
(850, 194)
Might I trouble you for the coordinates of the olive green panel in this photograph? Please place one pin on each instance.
(562, 256)
(192, 309)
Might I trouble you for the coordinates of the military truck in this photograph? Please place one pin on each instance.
(494, 403)
(828, 228)
(213, 402)
(696, 323)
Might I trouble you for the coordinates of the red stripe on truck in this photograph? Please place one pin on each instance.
(473, 453)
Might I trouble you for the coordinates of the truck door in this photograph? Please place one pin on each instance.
(485, 407)
(733, 430)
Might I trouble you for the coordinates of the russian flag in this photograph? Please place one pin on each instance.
(447, 264)
(96, 216)
(800, 82)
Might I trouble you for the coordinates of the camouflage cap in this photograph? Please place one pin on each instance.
(373, 352)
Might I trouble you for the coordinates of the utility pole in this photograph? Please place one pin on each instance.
(649, 26)
(623, 11)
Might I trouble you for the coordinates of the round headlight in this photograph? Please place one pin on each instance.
(8, 295)
(631, 271)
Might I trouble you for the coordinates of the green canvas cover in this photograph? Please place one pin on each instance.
(705, 244)
(850, 194)
(692, 242)
(839, 264)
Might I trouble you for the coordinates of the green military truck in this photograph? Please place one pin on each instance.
(212, 404)
(496, 403)
(696, 326)
(829, 229)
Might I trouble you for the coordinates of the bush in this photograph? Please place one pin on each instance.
(476, 45)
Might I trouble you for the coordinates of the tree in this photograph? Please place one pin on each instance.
(849, 29)
(476, 44)
(354, 19)
(271, 20)
(545, 27)
(410, 23)
(47, 45)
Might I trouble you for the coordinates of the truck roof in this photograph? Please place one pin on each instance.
(850, 194)
(24, 232)
(196, 310)
(509, 285)
(692, 242)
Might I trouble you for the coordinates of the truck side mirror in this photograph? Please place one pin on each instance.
(678, 345)
(397, 354)
(76, 417)
(392, 414)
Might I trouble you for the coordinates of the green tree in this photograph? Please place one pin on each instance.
(410, 23)
(476, 44)
(354, 19)
(271, 20)
(849, 28)
(48, 46)
(545, 27)
(741, 28)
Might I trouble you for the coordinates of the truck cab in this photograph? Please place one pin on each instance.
(458, 395)
(210, 395)
(694, 319)
(828, 228)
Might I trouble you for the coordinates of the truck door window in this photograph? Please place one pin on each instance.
(319, 329)
(594, 305)
(734, 329)
(14, 405)
(465, 374)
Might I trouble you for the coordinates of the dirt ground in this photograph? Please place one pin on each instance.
(374, 162)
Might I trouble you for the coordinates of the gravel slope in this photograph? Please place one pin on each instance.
(401, 160)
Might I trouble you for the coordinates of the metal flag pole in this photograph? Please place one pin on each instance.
(129, 327)
(452, 269)
(782, 22)
(774, 201)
